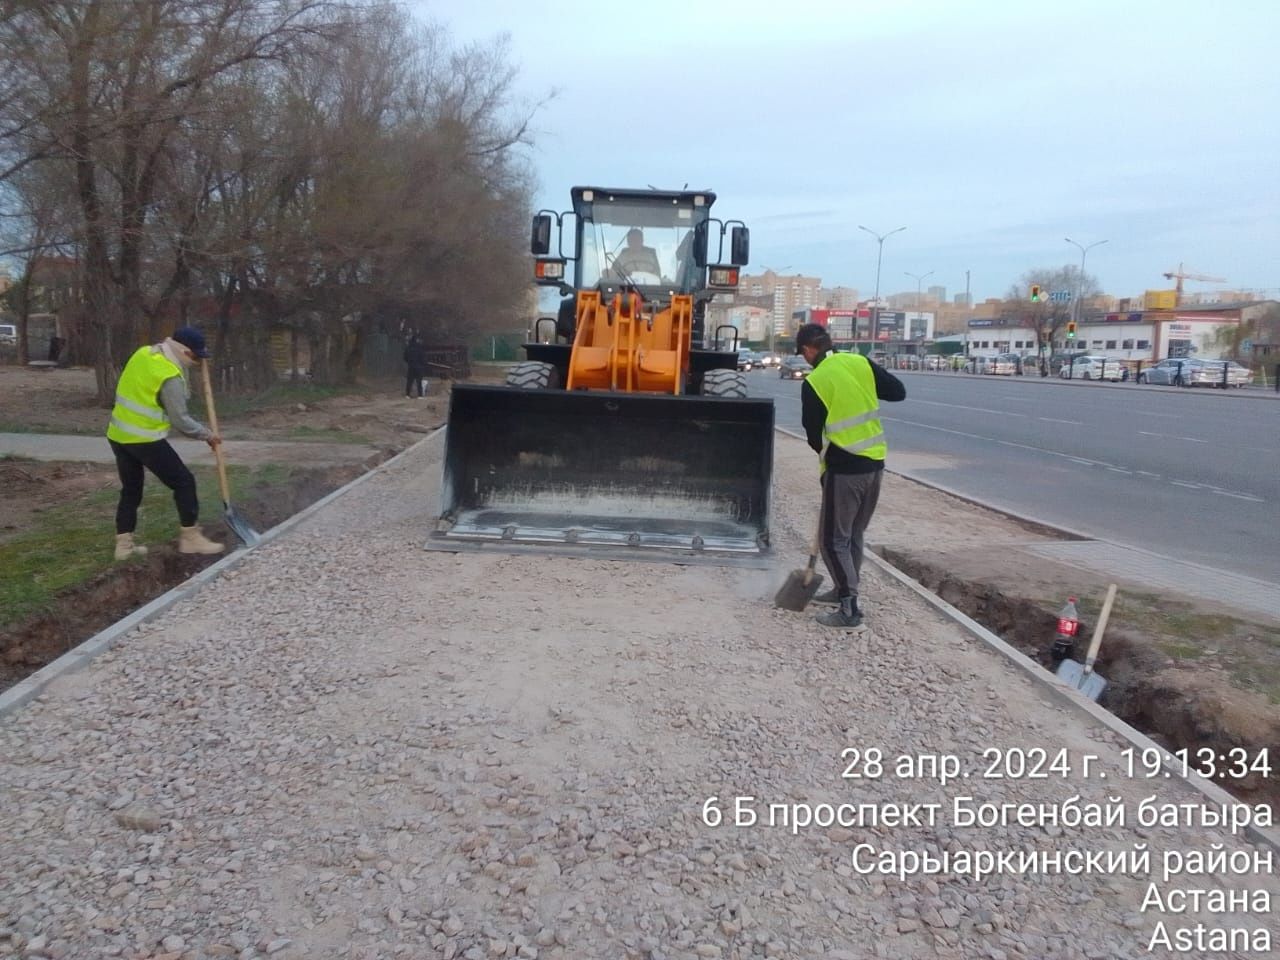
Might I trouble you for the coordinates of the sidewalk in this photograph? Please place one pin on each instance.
(82, 449)
(347, 747)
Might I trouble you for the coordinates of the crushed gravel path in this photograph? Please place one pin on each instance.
(350, 748)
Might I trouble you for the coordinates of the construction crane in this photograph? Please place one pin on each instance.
(1181, 274)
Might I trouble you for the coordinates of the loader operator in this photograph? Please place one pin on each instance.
(636, 257)
(839, 404)
(150, 397)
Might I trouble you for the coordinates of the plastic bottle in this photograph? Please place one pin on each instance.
(1068, 626)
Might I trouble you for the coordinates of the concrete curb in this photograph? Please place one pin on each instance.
(1050, 526)
(26, 690)
(1046, 681)
(1067, 697)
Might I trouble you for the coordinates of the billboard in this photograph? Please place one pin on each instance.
(890, 324)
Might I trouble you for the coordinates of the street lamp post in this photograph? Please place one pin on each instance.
(919, 283)
(875, 309)
(1075, 312)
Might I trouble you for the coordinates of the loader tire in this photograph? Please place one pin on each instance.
(533, 375)
(724, 383)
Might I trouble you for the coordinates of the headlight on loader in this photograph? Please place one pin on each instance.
(723, 277)
(548, 270)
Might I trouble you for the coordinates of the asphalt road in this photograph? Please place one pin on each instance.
(1193, 474)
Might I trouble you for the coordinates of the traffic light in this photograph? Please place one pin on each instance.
(1071, 329)
(1035, 293)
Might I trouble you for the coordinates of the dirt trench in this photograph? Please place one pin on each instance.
(1177, 710)
(87, 608)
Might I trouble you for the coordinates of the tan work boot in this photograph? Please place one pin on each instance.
(126, 548)
(192, 540)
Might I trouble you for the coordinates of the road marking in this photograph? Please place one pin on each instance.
(1238, 496)
(1169, 436)
(1074, 423)
(1119, 470)
(961, 406)
(1147, 413)
(1003, 443)
(1148, 473)
(1183, 483)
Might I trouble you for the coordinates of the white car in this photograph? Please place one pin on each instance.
(1092, 368)
(8, 333)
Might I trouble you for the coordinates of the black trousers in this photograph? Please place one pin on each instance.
(848, 503)
(162, 460)
(413, 380)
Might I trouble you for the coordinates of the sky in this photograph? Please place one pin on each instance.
(991, 130)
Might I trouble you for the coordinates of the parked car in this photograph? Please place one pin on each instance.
(1004, 365)
(793, 368)
(1193, 372)
(935, 361)
(8, 333)
(1087, 367)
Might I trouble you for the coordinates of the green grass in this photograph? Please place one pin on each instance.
(7, 426)
(74, 540)
(320, 434)
(280, 395)
(1182, 651)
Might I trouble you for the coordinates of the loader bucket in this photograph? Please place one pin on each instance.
(610, 474)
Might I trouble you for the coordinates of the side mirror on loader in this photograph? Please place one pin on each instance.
(740, 246)
(540, 240)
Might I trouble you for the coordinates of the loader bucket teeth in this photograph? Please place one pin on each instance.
(610, 473)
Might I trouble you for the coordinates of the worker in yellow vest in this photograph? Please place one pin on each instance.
(839, 407)
(151, 397)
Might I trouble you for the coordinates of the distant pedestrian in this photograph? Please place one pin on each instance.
(840, 401)
(415, 357)
(151, 397)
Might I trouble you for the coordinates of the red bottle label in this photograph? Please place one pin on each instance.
(1068, 627)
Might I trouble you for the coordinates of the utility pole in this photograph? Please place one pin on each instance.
(875, 309)
(1075, 312)
(919, 283)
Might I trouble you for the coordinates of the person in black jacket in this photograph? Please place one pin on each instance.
(415, 355)
(838, 411)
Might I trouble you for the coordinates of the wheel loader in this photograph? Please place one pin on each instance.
(627, 432)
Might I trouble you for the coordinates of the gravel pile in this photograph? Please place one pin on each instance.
(351, 748)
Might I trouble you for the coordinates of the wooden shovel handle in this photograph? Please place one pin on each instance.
(213, 425)
(1098, 630)
(813, 553)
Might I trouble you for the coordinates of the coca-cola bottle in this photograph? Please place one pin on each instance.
(1068, 626)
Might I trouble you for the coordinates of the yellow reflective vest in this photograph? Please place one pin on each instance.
(137, 416)
(846, 385)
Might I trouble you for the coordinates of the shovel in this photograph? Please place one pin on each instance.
(239, 526)
(801, 585)
(1081, 677)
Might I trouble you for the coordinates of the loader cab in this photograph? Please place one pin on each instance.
(657, 242)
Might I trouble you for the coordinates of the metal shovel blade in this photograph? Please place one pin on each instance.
(1071, 672)
(240, 526)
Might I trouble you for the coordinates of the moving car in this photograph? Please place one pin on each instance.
(746, 359)
(794, 368)
(770, 360)
(1093, 368)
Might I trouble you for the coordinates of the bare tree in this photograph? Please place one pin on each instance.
(1048, 317)
(265, 164)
